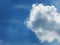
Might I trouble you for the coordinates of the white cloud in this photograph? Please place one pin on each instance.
(44, 21)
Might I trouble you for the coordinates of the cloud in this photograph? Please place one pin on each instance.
(22, 6)
(1, 42)
(44, 21)
(56, 3)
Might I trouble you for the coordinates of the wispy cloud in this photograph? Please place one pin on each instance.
(56, 3)
(22, 6)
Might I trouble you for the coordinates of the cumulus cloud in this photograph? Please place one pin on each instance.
(44, 21)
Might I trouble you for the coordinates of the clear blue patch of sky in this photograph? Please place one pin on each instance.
(12, 27)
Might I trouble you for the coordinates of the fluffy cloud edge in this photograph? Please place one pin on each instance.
(46, 13)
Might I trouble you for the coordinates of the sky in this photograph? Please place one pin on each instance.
(29, 22)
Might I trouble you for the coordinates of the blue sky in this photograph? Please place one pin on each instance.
(13, 31)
